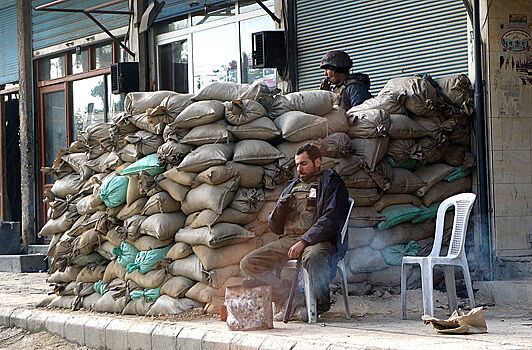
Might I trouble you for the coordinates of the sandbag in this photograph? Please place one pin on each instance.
(336, 145)
(219, 235)
(393, 199)
(260, 129)
(146, 260)
(402, 233)
(346, 166)
(206, 196)
(405, 181)
(369, 124)
(145, 142)
(148, 242)
(199, 113)
(336, 120)
(85, 223)
(176, 287)
(176, 103)
(149, 164)
(360, 236)
(403, 127)
(91, 259)
(318, 102)
(189, 267)
(212, 258)
(67, 276)
(364, 197)
(394, 255)
(431, 175)
(83, 206)
(177, 191)
(370, 150)
(217, 277)
(179, 250)
(89, 300)
(132, 226)
(298, 126)
(444, 189)
(402, 150)
(209, 218)
(139, 102)
(172, 153)
(410, 164)
(217, 132)
(125, 253)
(91, 273)
(360, 179)
(167, 305)
(364, 259)
(67, 185)
(160, 203)
(132, 209)
(390, 101)
(206, 156)
(162, 226)
(85, 243)
(454, 155)
(250, 175)
(107, 303)
(59, 225)
(239, 112)
(114, 270)
(137, 307)
(214, 175)
(255, 152)
(248, 200)
(142, 121)
(229, 91)
(431, 149)
(428, 212)
(115, 236)
(364, 217)
(181, 177)
(151, 279)
(457, 89)
(78, 162)
(397, 214)
(458, 173)
(63, 302)
(105, 162)
(204, 293)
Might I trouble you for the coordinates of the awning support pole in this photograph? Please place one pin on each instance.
(268, 11)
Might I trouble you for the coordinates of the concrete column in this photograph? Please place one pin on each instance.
(139, 44)
(27, 147)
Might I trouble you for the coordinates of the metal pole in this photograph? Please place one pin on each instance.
(27, 153)
(481, 145)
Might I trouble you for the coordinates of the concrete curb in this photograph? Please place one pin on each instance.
(107, 333)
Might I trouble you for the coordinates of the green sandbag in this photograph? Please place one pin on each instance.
(428, 212)
(100, 287)
(126, 253)
(394, 255)
(410, 164)
(458, 173)
(148, 294)
(113, 192)
(146, 259)
(150, 164)
(397, 214)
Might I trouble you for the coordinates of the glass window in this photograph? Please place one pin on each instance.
(104, 55)
(251, 5)
(115, 101)
(210, 16)
(249, 74)
(80, 62)
(52, 67)
(173, 66)
(89, 99)
(215, 54)
(55, 135)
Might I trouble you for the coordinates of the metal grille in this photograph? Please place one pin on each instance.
(8, 43)
(385, 38)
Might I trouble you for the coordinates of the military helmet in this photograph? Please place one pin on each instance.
(337, 60)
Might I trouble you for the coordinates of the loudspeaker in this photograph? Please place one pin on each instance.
(124, 77)
(269, 49)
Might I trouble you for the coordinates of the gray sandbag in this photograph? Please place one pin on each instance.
(179, 250)
(259, 129)
(176, 103)
(298, 126)
(112, 271)
(85, 243)
(336, 120)
(370, 150)
(94, 134)
(212, 258)
(255, 152)
(364, 217)
(104, 163)
(59, 225)
(78, 162)
(248, 200)
(460, 135)
(213, 197)
(66, 276)
(67, 185)
(142, 122)
(389, 277)
(229, 91)
(167, 305)
(239, 112)
(364, 259)
(457, 89)
(162, 226)
(145, 142)
(181, 177)
(107, 303)
(137, 307)
(176, 287)
(172, 153)
(336, 145)
(105, 249)
(177, 191)
(219, 235)
(369, 124)
(217, 277)
(388, 199)
(91, 273)
(139, 102)
(132, 209)
(206, 156)
(405, 181)
(63, 301)
(364, 197)
(215, 175)
(391, 101)
(444, 189)
(360, 236)
(403, 233)
(436, 125)
(91, 259)
(132, 226)
(431, 175)
(402, 150)
(217, 132)
(318, 102)
(289, 149)
(198, 113)
(359, 179)
(345, 166)
(189, 267)
(403, 127)
(160, 203)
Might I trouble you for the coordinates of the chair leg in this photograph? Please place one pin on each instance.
(450, 286)
(309, 298)
(427, 287)
(404, 277)
(469, 285)
(343, 276)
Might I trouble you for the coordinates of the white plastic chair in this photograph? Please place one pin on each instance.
(310, 300)
(456, 256)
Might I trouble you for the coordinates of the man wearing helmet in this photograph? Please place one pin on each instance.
(352, 88)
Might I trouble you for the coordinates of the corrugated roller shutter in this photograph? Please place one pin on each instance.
(51, 28)
(8, 43)
(385, 38)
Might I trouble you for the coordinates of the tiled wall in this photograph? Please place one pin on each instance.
(509, 131)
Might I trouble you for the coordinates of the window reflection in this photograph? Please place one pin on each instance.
(89, 99)
(80, 62)
(103, 55)
(55, 135)
(215, 54)
(115, 101)
(173, 67)
(210, 16)
(52, 67)
(251, 5)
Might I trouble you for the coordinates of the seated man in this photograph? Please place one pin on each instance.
(309, 217)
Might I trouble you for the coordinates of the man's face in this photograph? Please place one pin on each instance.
(305, 167)
(334, 77)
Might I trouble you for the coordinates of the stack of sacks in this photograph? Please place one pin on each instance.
(414, 141)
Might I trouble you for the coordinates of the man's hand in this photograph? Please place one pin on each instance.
(296, 250)
(325, 84)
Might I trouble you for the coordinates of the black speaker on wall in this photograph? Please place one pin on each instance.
(268, 49)
(124, 77)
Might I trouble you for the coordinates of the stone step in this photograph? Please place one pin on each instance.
(23, 263)
(38, 249)
(507, 292)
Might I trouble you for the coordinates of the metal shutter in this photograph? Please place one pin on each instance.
(385, 38)
(8, 43)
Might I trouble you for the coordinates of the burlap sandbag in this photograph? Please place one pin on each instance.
(142, 122)
(360, 179)
(115, 236)
(67, 185)
(213, 197)
(219, 235)
(145, 142)
(177, 191)
(204, 293)
(85, 223)
(318, 102)
(431, 149)
(431, 175)
(405, 181)
(391, 102)
(369, 124)
(364, 217)
(78, 162)
(250, 175)
(370, 150)
(181, 177)
(176, 287)
(402, 234)
(217, 277)
(107, 303)
(132, 209)
(206, 156)
(454, 155)
(403, 127)
(91, 259)
(217, 132)
(364, 197)
(208, 218)
(105, 249)
(114, 270)
(336, 120)
(59, 225)
(289, 149)
(212, 258)
(402, 150)
(132, 226)
(460, 135)
(457, 88)
(260, 129)
(346, 166)
(172, 153)
(83, 206)
(167, 305)
(199, 113)
(67, 276)
(297, 126)
(146, 242)
(150, 280)
(179, 250)
(91, 273)
(239, 112)
(336, 145)
(137, 307)
(176, 103)
(229, 91)
(62, 301)
(364, 259)
(393, 199)
(162, 226)
(85, 243)
(255, 152)
(189, 267)
(215, 175)
(360, 236)
(139, 102)
(160, 203)
(248, 200)
(444, 189)
(105, 162)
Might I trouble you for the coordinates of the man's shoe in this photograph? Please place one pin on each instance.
(301, 314)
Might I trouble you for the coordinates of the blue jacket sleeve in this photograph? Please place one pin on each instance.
(356, 94)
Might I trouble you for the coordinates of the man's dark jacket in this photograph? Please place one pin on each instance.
(332, 207)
